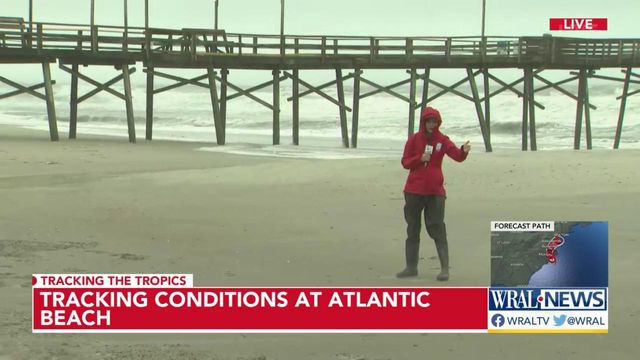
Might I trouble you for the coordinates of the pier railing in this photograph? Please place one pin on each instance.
(142, 44)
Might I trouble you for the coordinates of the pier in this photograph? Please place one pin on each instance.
(218, 52)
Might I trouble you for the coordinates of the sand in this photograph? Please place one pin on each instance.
(102, 205)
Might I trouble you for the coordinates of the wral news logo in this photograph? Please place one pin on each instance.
(510, 299)
(548, 310)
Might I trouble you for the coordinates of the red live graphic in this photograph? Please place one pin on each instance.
(578, 24)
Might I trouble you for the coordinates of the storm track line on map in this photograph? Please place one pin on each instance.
(552, 248)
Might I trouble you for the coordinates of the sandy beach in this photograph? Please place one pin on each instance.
(102, 205)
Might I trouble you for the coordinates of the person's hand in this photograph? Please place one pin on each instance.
(426, 157)
(466, 147)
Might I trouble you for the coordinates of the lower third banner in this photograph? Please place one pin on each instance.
(199, 309)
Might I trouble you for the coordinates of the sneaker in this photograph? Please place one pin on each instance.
(407, 272)
(443, 276)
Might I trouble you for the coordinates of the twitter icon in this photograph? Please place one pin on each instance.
(559, 320)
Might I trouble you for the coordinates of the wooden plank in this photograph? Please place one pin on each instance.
(343, 113)
(511, 87)
(150, 93)
(412, 102)
(632, 74)
(295, 129)
(251, 89)
(372, 51)
(478, 106)
(409, 49)
(94, 39)
(579, 109)
(276, 107)
(22, 89)
(309, 86)
(180, 81)
(311, 61)
(487, 101)
(525, 114)
(193, 38)
(445, 88)
(320, 87)
(386, 89)
(425, 90)
(356, 108)
(623, 104)
(39, 38)
(587, 113)
(79, 42)
(532, 115)
(131, 124)
(51, 105)
(215, 104)
(223, 103)
(73, 103)
(247, 93)
(100, 87)
(629, 94)
(449, 89)
(612, 79)
(555, 86)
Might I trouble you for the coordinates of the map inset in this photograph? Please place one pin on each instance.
(574, 254)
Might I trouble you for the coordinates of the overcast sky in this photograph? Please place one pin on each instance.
(348, 17)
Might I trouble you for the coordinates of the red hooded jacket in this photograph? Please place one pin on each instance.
(427, 178)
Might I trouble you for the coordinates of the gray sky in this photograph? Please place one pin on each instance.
(348, 17)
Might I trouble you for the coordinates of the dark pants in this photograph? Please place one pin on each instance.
(433, 208)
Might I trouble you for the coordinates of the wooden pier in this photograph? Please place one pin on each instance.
(217, 52)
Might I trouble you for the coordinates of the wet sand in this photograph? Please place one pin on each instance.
(101, 205)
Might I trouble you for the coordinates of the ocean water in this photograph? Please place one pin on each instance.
(582, 260)
(186, 114)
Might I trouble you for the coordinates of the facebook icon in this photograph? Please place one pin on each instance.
(497, 320)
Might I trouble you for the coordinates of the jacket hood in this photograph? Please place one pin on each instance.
(427, 113)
